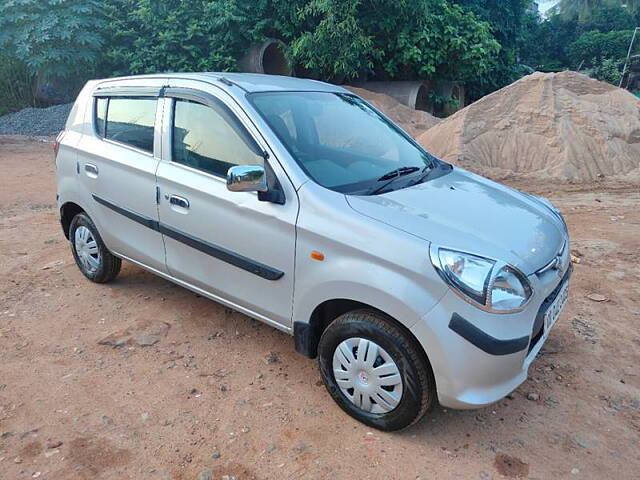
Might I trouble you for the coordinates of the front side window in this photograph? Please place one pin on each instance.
(205, 139)
(341, 142)
(127, 120)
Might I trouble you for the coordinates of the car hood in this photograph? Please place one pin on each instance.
(463, 211)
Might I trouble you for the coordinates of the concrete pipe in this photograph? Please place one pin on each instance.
(412, 93)
(453, 90)
(266, 57)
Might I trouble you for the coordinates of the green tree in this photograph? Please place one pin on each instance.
(508, 19)
(598, 45)
(199, 35)
(583, 9)
(52, 37)
(608, 19)
(392, 39)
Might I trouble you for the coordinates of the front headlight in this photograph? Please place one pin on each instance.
(510, 290)
(488, 284)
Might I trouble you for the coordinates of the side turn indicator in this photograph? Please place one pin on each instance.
(317, 255)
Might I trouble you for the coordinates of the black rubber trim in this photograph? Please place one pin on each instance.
(221, 253)
(306, 339)
(484, 341)
(136, 217)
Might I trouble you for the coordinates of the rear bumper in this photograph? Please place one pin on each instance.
(479, 357)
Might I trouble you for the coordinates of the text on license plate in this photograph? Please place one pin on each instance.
(553, 312)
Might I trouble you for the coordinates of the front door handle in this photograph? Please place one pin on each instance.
(179, 201)
(91, 170)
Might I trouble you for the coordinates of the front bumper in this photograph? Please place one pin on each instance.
(479, 357)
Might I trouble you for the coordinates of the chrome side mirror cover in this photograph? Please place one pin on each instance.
(247, 178)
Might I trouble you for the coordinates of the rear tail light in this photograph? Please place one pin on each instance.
(56, 145)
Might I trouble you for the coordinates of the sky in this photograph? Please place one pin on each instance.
(544, 5)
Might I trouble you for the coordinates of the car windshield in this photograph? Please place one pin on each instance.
(341, 142)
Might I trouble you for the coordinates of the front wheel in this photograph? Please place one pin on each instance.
(91, 255)
(374, 371)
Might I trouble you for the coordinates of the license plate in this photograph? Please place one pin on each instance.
(553, 312)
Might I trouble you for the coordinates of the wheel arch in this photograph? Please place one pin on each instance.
(67, 211)
(307, 334)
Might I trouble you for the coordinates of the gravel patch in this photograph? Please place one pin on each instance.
(35, 121)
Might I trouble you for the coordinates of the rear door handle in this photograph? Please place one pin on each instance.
(91, 170)
(179, 201)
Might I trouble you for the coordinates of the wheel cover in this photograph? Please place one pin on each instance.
(87, 249)
(367, 375)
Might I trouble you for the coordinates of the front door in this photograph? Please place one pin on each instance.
(238, 249)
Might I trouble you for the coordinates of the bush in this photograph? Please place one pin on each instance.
(595, 44)
(16, 85)
(607, 70)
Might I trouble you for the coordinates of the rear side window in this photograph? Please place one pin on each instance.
(127, 120)
(204, 139)
(101, 115)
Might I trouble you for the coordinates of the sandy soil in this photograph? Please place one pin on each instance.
(219, 394)
(561, 125)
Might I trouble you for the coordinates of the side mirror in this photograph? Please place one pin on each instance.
(247, 178)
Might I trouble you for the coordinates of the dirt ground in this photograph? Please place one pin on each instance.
(197, 391)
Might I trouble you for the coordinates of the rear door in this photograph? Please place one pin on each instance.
(236, 248)
(117, 162)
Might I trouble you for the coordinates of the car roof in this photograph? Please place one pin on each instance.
(260, 82)
(251, 82)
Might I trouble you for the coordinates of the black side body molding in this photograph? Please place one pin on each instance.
(484, 341)
(136, 217)
(221, 253)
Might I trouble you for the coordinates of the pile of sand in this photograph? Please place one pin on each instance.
(548, 125)
(414, 122)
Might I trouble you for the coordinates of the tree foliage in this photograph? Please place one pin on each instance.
(583, 9)
(484, 43)
(508, 19)
(199, 35)
(600, 45)
(52, 37)
(608, 19)
(594, 36)
(15, 84)
(402, 39)
(329, 39)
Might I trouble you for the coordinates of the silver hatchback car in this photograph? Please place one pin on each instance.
(300, 205)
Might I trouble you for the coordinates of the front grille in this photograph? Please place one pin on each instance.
(538, 324)
(558, 262)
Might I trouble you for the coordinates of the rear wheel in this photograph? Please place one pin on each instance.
(376, 372)
(92, 257)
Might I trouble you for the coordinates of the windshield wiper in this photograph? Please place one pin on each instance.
(428, 171)
(398, 172)
(391, 177)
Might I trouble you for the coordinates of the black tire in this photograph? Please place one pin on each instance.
(419, 388)
(108, 265)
